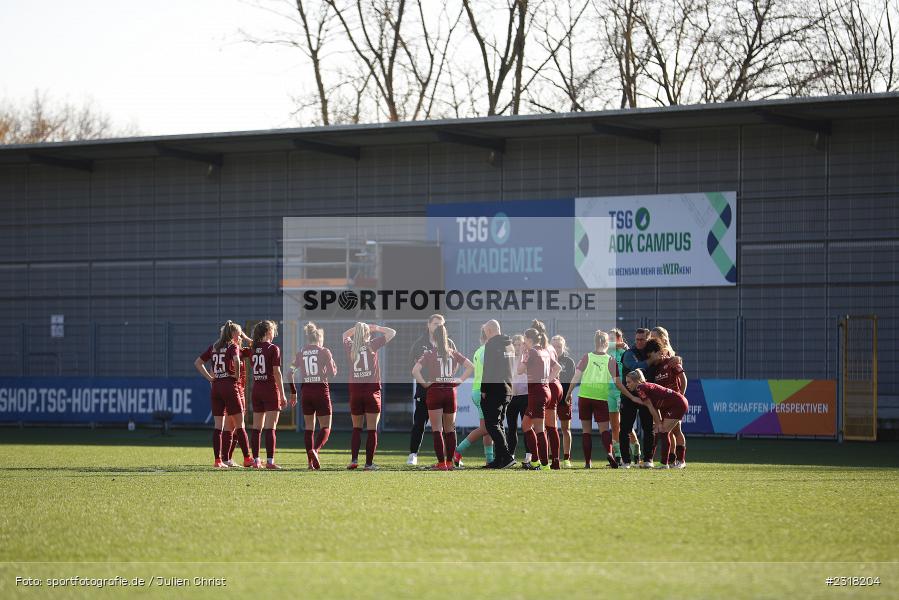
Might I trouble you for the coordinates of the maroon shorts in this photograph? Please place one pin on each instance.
(441, 398)
(538, 396)
(265, 398)
(675, 412)
(555, 395)
(226, 397)
(564, 411)
(365, 399)
(316, 399)
(597, 410)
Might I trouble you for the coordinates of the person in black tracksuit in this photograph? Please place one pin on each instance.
(496, 391)
(424, 343)
(635, 358)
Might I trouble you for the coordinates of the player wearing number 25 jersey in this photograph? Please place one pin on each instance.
(224, 396)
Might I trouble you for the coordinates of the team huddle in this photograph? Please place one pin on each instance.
(528, 376)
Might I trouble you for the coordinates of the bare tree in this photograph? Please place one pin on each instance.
(754, 43)
(677, 32)
(404, 52)
(572, 62)
(501, 56)
(619, 20)
(43, 120)
(856, 47)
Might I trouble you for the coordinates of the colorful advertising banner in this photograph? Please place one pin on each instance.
(664, 240)
(650, 241)
(803, 407)
(102, 399)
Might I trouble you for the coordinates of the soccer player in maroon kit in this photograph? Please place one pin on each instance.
(551, 431)
(668, 371)
(316, 366)
(365, 387)
(268, 390)
(239, 435)
(564, 409)
(225, 399)
(541, 368)
(436, 371)
(667, 407)
(660, 334)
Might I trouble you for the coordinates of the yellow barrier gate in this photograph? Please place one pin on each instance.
(858, 367)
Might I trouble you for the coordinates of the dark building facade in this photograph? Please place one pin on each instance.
(146, 245)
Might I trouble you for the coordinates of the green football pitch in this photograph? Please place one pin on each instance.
(746, 519)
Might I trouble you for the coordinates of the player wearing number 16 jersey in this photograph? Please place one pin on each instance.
(436, 371)
(316, 367)
(365, 386)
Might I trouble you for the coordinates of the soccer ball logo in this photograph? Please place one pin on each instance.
(348, 300)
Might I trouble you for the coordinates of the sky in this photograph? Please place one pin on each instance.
(165, 67)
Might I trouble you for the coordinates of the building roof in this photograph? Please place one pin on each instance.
(814, 114)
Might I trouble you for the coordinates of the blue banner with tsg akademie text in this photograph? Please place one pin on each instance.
(102, 399)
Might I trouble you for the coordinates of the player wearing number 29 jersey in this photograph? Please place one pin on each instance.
(266, 395)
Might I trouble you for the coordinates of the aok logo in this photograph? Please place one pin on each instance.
(479, 229)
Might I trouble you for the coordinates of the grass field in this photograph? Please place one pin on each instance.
(746, 519)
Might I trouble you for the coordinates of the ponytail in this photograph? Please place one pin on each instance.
(226, 333)
(536, 336)
(314, 334)
(361, 335)
(441, 341)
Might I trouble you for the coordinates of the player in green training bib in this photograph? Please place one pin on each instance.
(600, 391)
(481, 431)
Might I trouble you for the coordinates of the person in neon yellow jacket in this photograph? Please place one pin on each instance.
(481, 431)
(600, 390)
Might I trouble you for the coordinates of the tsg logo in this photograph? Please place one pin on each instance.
(626, 219)
(480, 229)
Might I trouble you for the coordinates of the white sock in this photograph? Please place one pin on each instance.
(271, 461)
(527, 457)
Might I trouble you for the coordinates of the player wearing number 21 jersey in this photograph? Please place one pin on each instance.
(365, 386)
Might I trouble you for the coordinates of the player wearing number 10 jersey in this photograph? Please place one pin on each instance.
(316, 366)
(365, 386)
(436, 371)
